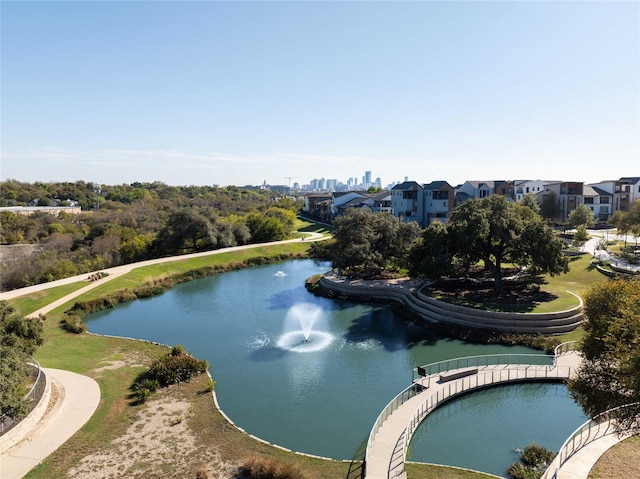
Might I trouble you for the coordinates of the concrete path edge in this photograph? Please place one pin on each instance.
(78, 398)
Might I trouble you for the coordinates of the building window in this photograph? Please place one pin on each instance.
(604, 200)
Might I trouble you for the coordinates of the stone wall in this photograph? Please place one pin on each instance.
(408, 293)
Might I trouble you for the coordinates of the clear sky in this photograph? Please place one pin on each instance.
(244, 92)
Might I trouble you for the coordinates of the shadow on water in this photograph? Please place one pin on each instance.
(267, 353)
(392, 335)
(291, 297)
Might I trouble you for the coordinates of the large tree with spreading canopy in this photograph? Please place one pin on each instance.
(496, 232)
(609, 376)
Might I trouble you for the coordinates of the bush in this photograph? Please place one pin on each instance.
(74, 324)
(535, 460)
(175, 368)
(143, 388)
(268, 469)
(536, 456)
(518, 471)
(202, 473)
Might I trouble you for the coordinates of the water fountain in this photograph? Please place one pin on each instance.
(280, 274)
(299, 335)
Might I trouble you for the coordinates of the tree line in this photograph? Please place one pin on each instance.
(493, 231)
(129, 223)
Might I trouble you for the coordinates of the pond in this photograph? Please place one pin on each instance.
(319, 396)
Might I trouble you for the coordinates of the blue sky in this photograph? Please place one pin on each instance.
(245, 92)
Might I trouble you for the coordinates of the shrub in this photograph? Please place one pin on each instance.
(177, 350)
(268, 469)
(202, 473)
(143, 388)
(536, 456)
(519, 471)
(211, 384)
(74, 324)
(534, 459)
(175, 368)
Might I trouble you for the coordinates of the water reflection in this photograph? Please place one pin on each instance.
(321, 402)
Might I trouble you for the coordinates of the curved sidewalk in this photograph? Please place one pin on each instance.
(126, 268)
(78, 398)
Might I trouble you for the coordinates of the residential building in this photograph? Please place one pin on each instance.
(619, 193)
(407, 201)
(631, 186)
(482, 189)
(523, 187)
(438, 202)
(598, 200)
(569, 194)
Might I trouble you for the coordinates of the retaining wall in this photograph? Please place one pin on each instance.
(27, 425)
(408, 293)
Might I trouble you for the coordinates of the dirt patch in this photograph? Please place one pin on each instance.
(158, 441)
(121, 360)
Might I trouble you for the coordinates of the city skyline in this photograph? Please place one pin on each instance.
(244, 93)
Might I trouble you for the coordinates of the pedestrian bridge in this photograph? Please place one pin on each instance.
(437, 383)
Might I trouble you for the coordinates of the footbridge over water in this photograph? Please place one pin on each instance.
(437, 383)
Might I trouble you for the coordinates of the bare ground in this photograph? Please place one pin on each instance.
(158, 444)
(621, 461)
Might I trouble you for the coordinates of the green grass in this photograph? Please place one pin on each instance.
(86, 354)
(27, 304)
(580, 277)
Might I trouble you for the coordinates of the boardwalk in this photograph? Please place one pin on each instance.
(391, 435)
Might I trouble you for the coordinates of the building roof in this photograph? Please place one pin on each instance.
(436, 185)
(596, 191)
(406, 185)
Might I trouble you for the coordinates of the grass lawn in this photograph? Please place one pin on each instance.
(554, 293)
(115, 362)
(29, 303)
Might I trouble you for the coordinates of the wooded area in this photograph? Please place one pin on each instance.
(127, 223)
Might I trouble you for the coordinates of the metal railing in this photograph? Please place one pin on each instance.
(595, 428)
(534, 366)
(480, 361)
(7, 421)
(565, 348)
(481, 379)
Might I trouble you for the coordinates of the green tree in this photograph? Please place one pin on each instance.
(19, 339)
(582, 215)
(609, 375)
(529, 200)
(431, 255)
(187, 230)
(497, 231)
(367, 243)
(549, 209)
(264, 228)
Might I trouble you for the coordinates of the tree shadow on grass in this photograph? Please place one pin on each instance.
(517, 297)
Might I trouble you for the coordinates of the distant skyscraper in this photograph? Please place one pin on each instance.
(367, 179)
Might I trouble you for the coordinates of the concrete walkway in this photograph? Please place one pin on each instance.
(78, 398)
(124, 269)
(387, 448)
(582, 461)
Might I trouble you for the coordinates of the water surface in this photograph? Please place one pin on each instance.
(321, 402)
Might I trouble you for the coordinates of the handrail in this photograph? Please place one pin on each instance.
(569, 447)
(468, 361)
(528, 372)
(565, 348)
(482, 360)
